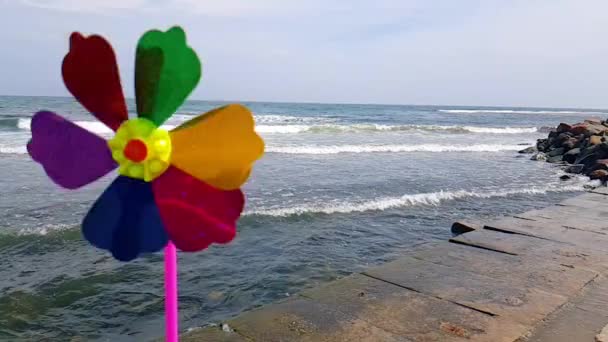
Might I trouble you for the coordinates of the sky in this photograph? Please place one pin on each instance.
(542, 53)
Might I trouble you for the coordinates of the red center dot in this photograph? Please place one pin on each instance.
(136, 150)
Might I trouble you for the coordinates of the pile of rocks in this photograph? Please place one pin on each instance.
(582, 147)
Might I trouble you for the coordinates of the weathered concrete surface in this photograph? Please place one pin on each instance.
(538, 276)
(500, 296)
(537, 250)
(405, 312)
(579, 320)
(552, 232)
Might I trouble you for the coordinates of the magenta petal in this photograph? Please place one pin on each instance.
(194, 213)
(71, 155)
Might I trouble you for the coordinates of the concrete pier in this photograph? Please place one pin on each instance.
(537, 276)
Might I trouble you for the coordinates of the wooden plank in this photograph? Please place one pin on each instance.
(542, 250)
(546, 276)
(555, 232)
(302, 319)
(411, 314)
(497, 296)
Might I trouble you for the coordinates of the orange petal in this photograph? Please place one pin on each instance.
(218, 147)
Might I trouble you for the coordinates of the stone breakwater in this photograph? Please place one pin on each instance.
(582, 148)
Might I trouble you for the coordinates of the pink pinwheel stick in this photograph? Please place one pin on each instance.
(171, 317)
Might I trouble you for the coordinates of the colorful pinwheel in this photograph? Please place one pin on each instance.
(179, 187)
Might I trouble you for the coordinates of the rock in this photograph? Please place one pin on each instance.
(571, 155)
(560, 139)
(531, 149)
(599, 174)
(556, 152)
(576, 168)
(542, 144)
(589, 155)
(578, 129)
(563, 127)
(564, 177)
(588, 129)
(540, 156)
(571, 143)
(594, 121)
(601, 164)
(555, 159)
(461, 227)
(595, 140)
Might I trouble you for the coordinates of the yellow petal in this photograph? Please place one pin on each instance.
(218, 147)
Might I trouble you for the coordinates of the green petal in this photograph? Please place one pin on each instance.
(166, 72)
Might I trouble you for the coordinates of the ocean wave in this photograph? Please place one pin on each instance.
(13, 149)
(100, 128)
(335, 149)
(92, 126)
(510, 111)
(288, 119)
(9, 122)
(408, 200)
(354, 128)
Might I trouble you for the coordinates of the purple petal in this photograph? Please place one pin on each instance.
(71, 155)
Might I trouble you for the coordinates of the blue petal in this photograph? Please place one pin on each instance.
(125, 220)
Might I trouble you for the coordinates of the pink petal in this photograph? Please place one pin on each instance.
(194, 213)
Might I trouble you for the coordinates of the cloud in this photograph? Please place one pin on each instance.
(87, 5)
(517, 52)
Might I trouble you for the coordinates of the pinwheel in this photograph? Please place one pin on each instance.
(177, 188)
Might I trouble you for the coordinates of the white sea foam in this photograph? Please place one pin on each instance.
(13, 149)
(335, 149)
(282, 129)
(92, 126)
(408, 200)
(354, 128)
(509, 111)
(45, 230)
(288, 119)
(100, 128)
(501, 130)
(24, 123)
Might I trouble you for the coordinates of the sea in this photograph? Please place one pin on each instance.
(342, 187)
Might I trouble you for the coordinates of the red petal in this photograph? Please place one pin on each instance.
(91, 75)
(194, 213)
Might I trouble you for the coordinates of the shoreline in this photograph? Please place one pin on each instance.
(514, 278)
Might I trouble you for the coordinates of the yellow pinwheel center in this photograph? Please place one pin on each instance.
(141, 149)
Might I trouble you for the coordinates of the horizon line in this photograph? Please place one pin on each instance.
(349, 103)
